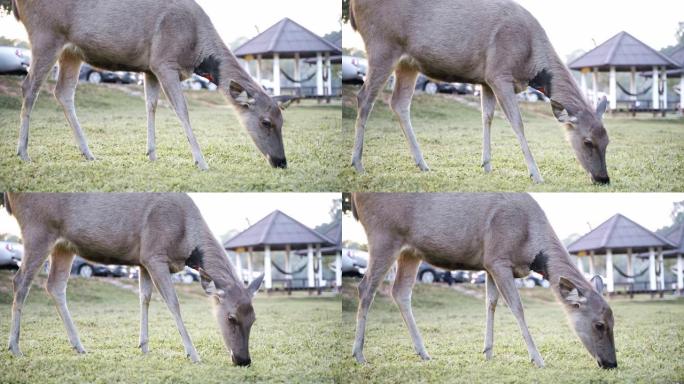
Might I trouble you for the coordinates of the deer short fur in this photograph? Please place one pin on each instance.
(168, 40)
(495, 43)
(160, 233)
(506, 235)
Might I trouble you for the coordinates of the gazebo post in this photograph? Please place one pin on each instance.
(267, 268)
(630, 266)
(288, 269)
(328, 68)
(580, 265)
(583, 83)
(661, 263)
(319, 74)
(319, 257)
(680, 275)
(664, 72)
(651, 269)
(613, 89)
(310, 265)
(276, 74)
(609, 270)
(297, 74)
(250, 269)
(592, 266)
(594, 83)
(654, 89)
(633, 90)
(238, 265)
(338, 269)
(681, 92)
(258, 69)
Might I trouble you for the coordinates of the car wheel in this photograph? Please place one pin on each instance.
(85, 271)
(428, 276)
(94, 77)
(430, 88)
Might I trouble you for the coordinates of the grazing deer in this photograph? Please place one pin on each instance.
(495, 43)
(167, 40)
(160, 233)
(507, 235)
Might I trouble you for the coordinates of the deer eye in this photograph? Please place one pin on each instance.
(588, 143)
(232, 319)
(600, 327)
(266, 123)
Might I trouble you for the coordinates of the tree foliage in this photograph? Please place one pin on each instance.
(345, 11)
(5, 6)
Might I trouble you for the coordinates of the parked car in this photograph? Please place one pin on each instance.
(429, 86)
(354, 262)
(95, 75)
(186, 276)
(531, 95)
(14, 60)
(197, 82)
(478, 277)
(84, 268)
(11, 254)
(431, 274)
(354, 69)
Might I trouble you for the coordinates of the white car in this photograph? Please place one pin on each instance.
(354, 262)
(10, 254)
(354, 69)
(14, 60)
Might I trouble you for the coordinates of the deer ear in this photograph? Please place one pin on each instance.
(601, 107)
(562, 114)
(240, 94)
(254, 286)
(569, 292)
(597, 282)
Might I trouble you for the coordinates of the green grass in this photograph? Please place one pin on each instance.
(114, 120)
(293, 340)
(645, 154)
(648, 337)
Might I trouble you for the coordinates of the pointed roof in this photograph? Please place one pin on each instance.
(286, 38)
(276, 230)
(623, 51)
(619, 233)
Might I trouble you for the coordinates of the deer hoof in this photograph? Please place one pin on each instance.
(424, 355)
(16, 352)
(24, 157)
(88, 156)
(423, 167)
(80, 350)
(360, 359)
(201, 165)
(359, 167)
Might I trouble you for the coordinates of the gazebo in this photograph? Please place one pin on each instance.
(278, 232)
(289, 40)
(334, 233)
(625, 53)
(676, 236)
(620, 235)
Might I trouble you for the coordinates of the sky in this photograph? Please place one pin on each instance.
(576, 24)
(226, 211)
(577, 213)
(234, 19)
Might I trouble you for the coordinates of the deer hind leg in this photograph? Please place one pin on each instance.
(45, 50)
(401, 105)
(151, 99)
(145, 296)
(381, 61)
(492, 299)
(383, 253)
(60, 267)
(504, 90)
(159, 272)
(36, 250)
(170, 82)
(488, 106)
(505, 282)
(407, 268)
(69, 70)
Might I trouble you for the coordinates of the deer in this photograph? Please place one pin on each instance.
(495, 43)
(168, 41)
(159, 233)
(507, 235)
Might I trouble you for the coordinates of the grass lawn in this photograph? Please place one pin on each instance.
(293, 340)
(648, 337)
(645, 154)
(114, 120)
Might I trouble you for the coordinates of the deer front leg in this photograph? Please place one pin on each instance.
(503, 277)
(145, 282)
(151, 99)
(60, 268)
(407, 268)
(492, 299)
(159, 272)
(401, 105)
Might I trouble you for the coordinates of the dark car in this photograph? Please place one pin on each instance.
(431, 87)
(84, 268)
(95, 76)
(429, 274)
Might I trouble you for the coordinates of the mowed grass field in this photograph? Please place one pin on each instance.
(294, 340)
(115, 123)
(648, 337)
(645, 154)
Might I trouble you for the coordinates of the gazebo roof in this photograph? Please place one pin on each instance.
(286, 38)
(334, 233)
(619, 233)
(276, 230)
(676, 236)
(623, 51)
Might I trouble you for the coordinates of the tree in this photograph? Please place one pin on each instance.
(677, 216)
(335, 213)
(333, 36)
(345, 11)
(5, 6)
